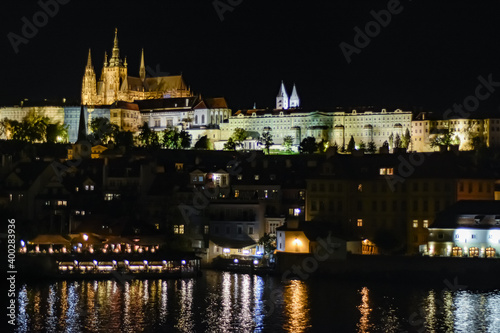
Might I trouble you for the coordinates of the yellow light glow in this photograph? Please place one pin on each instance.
(297, 242)
(85, 237)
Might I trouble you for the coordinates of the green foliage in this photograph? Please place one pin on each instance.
(287, 143)
(57, 133)
(173, 139)
(147, 137)
(31, 129)
(102, 129)
(372, 148)
(351, 145)
(362, 145)
(406, 139)
(123, 138)
(391, 140)
(308, 145)
(230, 144)
(397, 141)
(323, 145)
(266, 140)
(202, 143)
(443, 139)
(269, 243)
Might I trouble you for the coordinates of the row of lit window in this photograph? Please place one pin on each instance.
(239, 230)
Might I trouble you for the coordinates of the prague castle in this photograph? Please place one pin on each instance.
(116, 85)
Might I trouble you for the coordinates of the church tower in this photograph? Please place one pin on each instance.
(282, 98)
(294, 98)
(89, 84)
(114, 74)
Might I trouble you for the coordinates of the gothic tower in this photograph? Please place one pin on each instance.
(89, 84)
(114, 74)
(282, 98)
(294, 98)
(142, 69)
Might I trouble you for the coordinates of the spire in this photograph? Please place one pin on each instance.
(89, 61)
(82, 128)
(294, 98)
(142, 69)
(115, 57)
(282, 98)
(105, 59)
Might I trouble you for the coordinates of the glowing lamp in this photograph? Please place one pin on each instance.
(183, 262)
(114, 262)
(95, 262)
(297, 242)
(126, 262)
(85, 237)
(255, 262)
(22, 243)
(236, 261)
(226, 250)
(246, 252)
(145, 262)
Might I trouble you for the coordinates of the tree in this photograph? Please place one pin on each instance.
(406, 139)
(266, 140)
(239, 135)
(443, 139)
(57, 133)
(391, 140)
(351, 145)
(123, 138)
(147, 137)
(323, 145)
(102, 129)
(372, 148)
(202, 143)
(287, 143)
(269, 243)
(362, 146)
(397, 141)
(308, 145)
(32, 128)
(185, 139)
(230, 144)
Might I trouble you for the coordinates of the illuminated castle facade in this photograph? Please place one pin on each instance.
(116, 85)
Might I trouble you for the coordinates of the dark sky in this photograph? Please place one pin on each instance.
(428, 56)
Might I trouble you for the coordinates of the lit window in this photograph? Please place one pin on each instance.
(206, 229)
(265, 194)
(415, 223)
(240, 177)
(86, 187)
(360, 222)
(76, 189)
(181, 229)
(77, 212)
(83, 212)
(176, 229)
(296, 212)
(256, 177)
(236, 193)
(426, 224)
(390, 171)
(200, 178)
(91, 187)
(47, 203)
(157, 226)
(382, 171)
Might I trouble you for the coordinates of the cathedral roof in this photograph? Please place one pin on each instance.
(125, 105)
(216, 103)
(167, 103)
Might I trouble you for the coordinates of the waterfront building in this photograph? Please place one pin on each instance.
(116, 85)
(376, 197)
(466, 229)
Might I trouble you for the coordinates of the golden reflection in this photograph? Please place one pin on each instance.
(185, 321)
(364, 308)
(297, 307)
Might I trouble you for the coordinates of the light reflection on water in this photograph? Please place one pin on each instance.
(229, 302)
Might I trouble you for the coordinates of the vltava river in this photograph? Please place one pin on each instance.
(230, 302)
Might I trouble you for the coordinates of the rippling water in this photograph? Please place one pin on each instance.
(229, 302)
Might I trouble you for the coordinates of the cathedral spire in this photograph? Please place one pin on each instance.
(115, 57)
(89, 61)
(294, 98)
(282, 98)
(142, 69)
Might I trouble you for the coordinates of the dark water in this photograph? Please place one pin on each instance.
(229, 302)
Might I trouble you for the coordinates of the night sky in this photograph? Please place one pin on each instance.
(428, 57)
